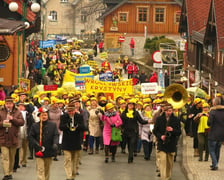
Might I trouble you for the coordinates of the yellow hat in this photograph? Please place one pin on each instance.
(147, 100)
(132, 101)
(218, 95)
(88, 103)
(78, 93)
(126, 97)
(61, 101)
(109, 106)
(140, 103)
(46, 99)
(103, 98)
(122, 102)
(93, 99)
(53, 100)
(35, 96)
(84, 98)
(2, 103)
(14, 96)
(160, 95)
(137, 96)
(145, 105)
(205, 105)
(197, 100)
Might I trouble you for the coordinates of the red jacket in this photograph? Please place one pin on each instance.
(136, 69)
(153, 78)
(130, 68)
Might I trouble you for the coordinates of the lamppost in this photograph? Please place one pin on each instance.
(35, 7)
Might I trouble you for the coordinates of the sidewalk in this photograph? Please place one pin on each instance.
(196, 170)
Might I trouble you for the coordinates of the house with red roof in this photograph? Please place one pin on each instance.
(202, 24)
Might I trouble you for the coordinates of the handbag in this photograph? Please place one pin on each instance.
(115, 134)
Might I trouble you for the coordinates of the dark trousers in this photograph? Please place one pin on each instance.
(214, 150)
(112, 149)
(31, 149)
(131, 141)
(147, 147)
(130, 76)
(16, 163)
(203, 145)
(91, 142)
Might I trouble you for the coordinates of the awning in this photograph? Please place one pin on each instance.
(9, 27)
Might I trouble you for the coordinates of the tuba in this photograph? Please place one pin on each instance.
(176, 95)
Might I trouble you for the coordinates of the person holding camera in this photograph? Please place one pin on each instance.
(167, 128)
(72, 124)
(10, 121)
(44, 137)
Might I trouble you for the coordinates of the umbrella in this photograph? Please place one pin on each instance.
(77, 53)
(196, 91)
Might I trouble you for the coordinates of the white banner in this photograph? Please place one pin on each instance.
(149, 88)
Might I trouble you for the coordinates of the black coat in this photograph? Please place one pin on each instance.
(216, 123)
(49, 137)
(160, 129)
(130, 125)
(194, 110)
(71, 140)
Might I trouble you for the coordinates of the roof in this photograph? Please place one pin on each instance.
(9, 27)
(199, 35)
(219, 15)
(110, 10)
(197, 14)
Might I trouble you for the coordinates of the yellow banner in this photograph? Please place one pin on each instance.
(109, 87)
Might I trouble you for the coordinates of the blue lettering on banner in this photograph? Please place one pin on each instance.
(106, 77)
(46, 44)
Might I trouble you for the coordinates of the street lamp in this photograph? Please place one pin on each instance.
(35, 7)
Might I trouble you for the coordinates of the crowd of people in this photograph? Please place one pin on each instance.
(48, 65)
(51, 124)
(55, 123)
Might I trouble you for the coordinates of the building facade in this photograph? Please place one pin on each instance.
(70, 17)
(136, 18)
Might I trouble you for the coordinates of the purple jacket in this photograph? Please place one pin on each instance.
(107, 128)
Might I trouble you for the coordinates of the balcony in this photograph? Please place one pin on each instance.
(209, 65)
(108, 2)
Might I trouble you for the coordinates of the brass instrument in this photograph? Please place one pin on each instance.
(176, 95)
(72, 127)
(7, 125)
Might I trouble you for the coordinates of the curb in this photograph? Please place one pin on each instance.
(184, 161)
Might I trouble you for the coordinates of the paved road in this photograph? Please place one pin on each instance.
(94, 168)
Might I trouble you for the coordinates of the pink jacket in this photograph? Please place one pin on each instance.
(107, 129)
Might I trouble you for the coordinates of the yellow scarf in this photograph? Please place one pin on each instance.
(121, 110)
(148, 114)
(129, 114)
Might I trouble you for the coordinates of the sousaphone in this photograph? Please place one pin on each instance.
(176, 95)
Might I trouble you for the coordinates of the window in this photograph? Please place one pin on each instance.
(177, 17)
(53, 15)
(123, 17)
(159, 15)
(83, 16)
(142, 14)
